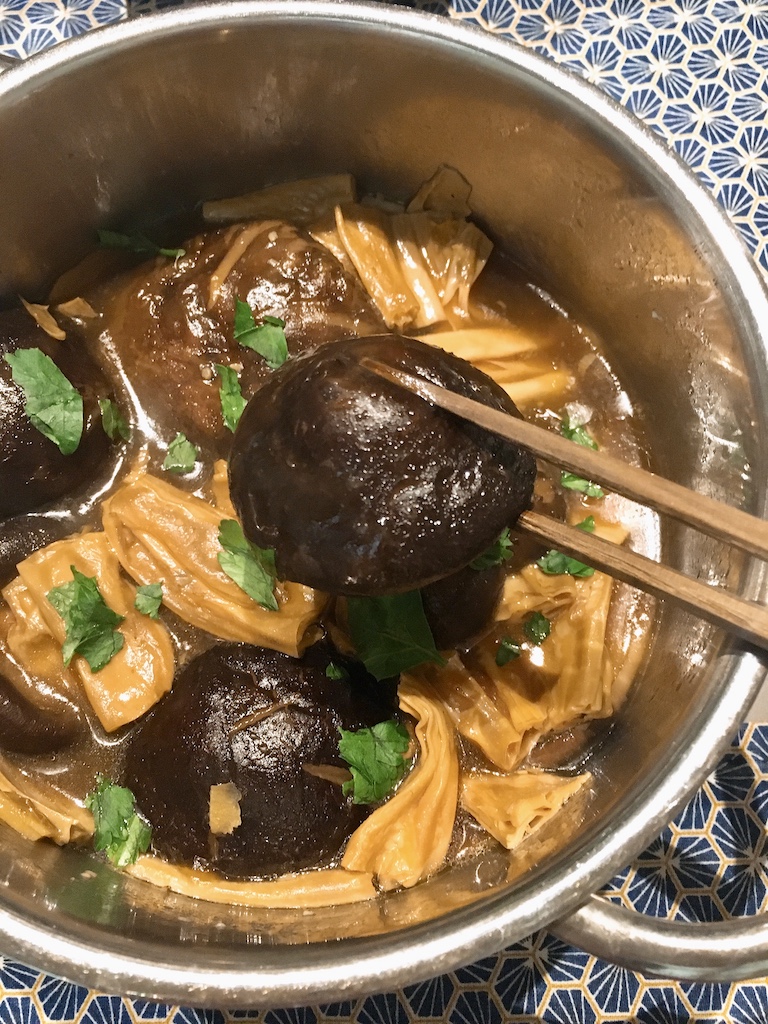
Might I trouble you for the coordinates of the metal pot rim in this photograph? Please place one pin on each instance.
(293, 975)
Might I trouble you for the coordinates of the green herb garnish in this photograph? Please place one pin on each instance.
(251, 568)
(571, 481)
(555, 563)
(334, 671)
(53, 405)
(136, 241)
(376, 759)
(148, 599)
(181, 457)
(537, 628)
(266, 338)
(118, 830)
(500, 551)
(507, 651)
(391, 634)
(113, 421)
(232, 401)
(90, 623)
(577, 433)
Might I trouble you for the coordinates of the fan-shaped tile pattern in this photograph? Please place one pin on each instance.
(29, 26)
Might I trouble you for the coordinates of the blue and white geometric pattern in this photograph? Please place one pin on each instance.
(27, 28)
(697, 72)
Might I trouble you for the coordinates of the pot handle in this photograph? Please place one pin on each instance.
(732, 950)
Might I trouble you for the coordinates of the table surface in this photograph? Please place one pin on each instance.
(697, 72)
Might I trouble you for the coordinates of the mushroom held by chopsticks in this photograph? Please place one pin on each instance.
(362, 488)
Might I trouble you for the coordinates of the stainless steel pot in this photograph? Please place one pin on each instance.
(149, 116)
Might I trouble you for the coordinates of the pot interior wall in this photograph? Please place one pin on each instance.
(171, 121)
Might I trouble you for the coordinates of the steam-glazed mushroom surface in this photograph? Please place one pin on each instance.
(361, 487)
(459, 607)
(34, 471)
(269, 634)
(172, 323)
(267, 725)
(28, 728)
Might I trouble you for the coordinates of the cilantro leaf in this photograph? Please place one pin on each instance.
(500, 551)
(507, 651)
(334, 671)
(53, 405)
(136, 241)
(577, 433)
(376, 759)
(555, 563)
(391, 634)
(90, 623)
(118, 829)
(537, 628)
(182, 455)
(572, 482)
(266, 338)
(251, 568)
(232, 401)
(113, 421)
(148, 599)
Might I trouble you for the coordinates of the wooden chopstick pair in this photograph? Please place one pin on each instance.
(742, 618)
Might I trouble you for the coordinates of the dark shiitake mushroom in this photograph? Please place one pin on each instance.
(185, 323)
(256, 719)
(26, 728)
(363, 488)
(33, 471)
(459, 607)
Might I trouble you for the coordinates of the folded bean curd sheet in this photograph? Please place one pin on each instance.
(511, 807)
(37, 810)
(505, 710)
(136, 677)
(160, 532)
(322, 888)
(417, 267)
(406, 839)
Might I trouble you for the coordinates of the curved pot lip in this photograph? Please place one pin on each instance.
(293, 975)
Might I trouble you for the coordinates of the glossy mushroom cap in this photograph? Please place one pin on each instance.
(252, 717)
(33, 471)
(363, 488)
(26, 728)
(183, 324)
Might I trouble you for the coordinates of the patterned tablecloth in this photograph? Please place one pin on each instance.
(697, 72)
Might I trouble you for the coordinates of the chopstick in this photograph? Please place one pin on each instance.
(744, 619)
(708, 515)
